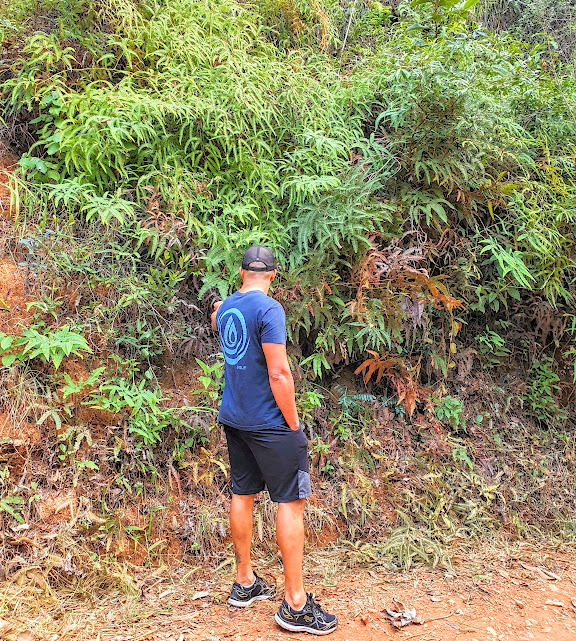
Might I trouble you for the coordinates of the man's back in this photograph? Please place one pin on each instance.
(245, 321)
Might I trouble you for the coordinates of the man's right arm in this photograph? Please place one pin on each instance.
(281, 382)
(213, 316)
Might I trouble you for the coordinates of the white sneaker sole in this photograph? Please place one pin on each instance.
(300, 628)
(245, 604)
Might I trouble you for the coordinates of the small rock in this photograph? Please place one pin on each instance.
(491, 631)
(558, 604)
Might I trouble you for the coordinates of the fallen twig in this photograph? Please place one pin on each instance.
(444, 616)
(422, 634)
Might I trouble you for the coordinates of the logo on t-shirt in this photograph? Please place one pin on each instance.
(233, 335)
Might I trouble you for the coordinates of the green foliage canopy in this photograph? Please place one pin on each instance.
(429, 148)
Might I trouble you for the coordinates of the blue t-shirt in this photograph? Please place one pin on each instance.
(244, 322)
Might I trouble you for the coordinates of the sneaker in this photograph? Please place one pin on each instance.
(241, 596)
(311, 618)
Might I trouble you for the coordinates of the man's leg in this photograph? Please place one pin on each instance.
(290, 537)
(241, 517)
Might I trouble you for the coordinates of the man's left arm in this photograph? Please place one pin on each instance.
(281, 382)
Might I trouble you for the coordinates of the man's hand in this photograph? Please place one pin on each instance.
(213, 316)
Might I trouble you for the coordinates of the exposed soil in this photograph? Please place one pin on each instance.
(18, 428)
(14, 314)
(518, 595)
(7, 163)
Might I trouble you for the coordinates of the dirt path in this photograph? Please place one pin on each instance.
(506, 602)
(509, 597)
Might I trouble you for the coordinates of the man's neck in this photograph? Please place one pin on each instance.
(255, 287)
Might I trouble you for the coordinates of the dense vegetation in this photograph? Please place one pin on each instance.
(413, 170)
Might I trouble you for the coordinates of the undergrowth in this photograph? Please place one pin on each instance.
(413, 172)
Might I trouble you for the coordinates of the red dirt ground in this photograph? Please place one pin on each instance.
(14, 316)
(505, 599)
(518, 595)
(7, 162)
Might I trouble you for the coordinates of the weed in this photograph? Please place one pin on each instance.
(212, 380)
(404, 547)
(540, 397)
(450, 410)
(53, 346)
(8, 504)
(319, 452)
(307, 401)
(492, 347)
(137, 405)
(461, 454)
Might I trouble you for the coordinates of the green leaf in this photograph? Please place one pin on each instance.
(44, 416)
(89, 464)
(67, 346)
(57, 357)
(6, 504)
(8, 359)
(45, 349)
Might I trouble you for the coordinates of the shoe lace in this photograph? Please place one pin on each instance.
(316, 607)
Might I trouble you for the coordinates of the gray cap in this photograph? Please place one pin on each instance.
(258, 259)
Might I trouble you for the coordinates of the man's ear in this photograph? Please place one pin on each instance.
(272, 275)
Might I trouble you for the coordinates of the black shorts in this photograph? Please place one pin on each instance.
(274, 457)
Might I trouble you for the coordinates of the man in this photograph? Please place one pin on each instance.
(266, 444)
